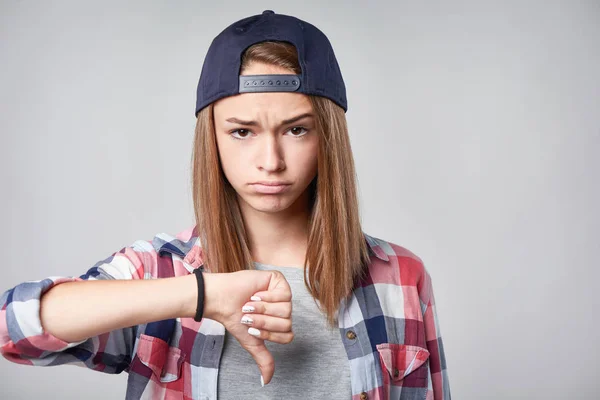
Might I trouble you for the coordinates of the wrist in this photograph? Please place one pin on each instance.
(212, 299)
(191, 298)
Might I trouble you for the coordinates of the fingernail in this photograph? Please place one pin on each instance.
(253, 331)
(262, 381)
(247, 320)
(255, 298)
(247, 309)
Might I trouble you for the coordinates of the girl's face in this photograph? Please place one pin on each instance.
(268, 145)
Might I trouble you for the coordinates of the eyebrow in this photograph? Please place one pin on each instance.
(284, 122)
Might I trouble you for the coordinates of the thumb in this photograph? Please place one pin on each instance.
(264, 360)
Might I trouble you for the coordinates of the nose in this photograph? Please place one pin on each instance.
(270, 155)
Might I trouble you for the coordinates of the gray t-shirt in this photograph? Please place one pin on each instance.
(313, 366)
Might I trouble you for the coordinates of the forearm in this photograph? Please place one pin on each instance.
(75, 311)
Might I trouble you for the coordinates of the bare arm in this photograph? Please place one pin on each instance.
(75, 311)
(78, 310)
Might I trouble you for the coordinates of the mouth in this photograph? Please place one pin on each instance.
(272, 187)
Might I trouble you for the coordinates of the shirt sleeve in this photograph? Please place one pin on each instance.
(437, 358)
(24, 341)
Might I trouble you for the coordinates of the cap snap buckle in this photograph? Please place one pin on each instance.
(269, 83)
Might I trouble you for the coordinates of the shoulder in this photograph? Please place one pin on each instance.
(392, 263)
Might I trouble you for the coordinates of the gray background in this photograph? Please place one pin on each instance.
(475, 127)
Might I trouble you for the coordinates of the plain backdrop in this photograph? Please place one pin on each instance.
(475, 127)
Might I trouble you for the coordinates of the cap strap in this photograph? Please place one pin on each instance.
(269, 83)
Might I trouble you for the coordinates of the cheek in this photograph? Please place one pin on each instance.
(306, 161)
(230, 161)
(312, 158)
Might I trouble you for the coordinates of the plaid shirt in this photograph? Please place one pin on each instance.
(389, 328)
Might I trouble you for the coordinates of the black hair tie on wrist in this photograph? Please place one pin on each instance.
(200, 282)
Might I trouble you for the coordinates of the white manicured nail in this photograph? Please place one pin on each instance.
(253, 331)
(247, 320)
(255, 298)
(262, 381)
(247, 309)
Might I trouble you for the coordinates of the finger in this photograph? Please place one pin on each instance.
(273, 296)
(280, 310)
(267, 323)
(277, 337)
(264, 360)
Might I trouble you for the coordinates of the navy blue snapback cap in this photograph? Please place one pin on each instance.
(320, 73)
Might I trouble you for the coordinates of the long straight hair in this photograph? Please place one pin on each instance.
(337, 253)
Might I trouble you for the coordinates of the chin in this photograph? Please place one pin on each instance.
(269, 203)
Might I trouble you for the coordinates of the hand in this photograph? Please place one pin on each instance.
(226, 294)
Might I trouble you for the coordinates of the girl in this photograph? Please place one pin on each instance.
(276, 214)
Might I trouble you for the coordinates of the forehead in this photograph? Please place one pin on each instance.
(276, 104)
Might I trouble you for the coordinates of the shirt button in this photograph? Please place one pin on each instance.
(363, 396)
(351, 335)
(396, 373)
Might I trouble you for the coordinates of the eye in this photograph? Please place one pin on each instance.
(298, 131)
(243, 133)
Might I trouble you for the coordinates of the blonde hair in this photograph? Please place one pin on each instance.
(337, 252)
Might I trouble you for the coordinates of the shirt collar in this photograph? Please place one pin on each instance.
(376, 248)
(165, 244)
(181, 248)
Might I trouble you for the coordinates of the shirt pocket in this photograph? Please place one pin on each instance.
(164, 361)
(405, 370)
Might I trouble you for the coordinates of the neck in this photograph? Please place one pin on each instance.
(277, 238)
